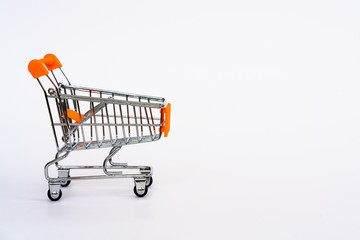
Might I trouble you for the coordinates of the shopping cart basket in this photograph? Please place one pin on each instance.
(85, 118)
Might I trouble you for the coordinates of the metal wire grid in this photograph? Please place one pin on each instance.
(111, 118)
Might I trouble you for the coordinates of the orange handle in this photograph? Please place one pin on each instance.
(41, 67)
(165, 118)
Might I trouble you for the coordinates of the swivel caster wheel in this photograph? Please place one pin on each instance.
(140, 192)
(54, 196)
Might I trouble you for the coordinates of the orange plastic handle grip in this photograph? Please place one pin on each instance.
(165, 118)
(41, 67)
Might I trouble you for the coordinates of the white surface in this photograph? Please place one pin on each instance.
(265, 123)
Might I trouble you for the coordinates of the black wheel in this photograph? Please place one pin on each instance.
(54, 198)
(140, 194)
(150, 182)
(65, 183)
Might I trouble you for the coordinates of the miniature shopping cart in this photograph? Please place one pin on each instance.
(85, 118)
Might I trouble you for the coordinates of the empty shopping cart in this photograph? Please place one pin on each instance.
(85, 118)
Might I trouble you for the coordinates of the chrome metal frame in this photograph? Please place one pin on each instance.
(115, 119)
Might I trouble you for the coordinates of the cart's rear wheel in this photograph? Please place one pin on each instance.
(149, 181)
(54, 196)
(141, 193)
(65, 183)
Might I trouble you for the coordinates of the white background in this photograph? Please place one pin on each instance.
(265, 135)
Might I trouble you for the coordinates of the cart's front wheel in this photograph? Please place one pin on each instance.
(54, 196)
(65, 183)
(140, 192)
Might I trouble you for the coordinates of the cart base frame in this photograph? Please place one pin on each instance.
(142, 180)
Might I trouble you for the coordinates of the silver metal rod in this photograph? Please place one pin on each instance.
(116, 127)
(65, 76)
(109, 101)
(108, 120)
(137, 130)
(141, 126)
(118, 175)
(91, 127)
(117, 116)
(152, 118)
(52, 72)
(148, 121)
(65, 167)
(50, 114)
(96, 131)
(82, 126)
(122, 121)
(128, 116)
(117, 93)
(102, 119)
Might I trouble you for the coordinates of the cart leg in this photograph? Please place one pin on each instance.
(140, 188)
(113, 151)
(54, 192)
(64, 173)
(116, 148)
